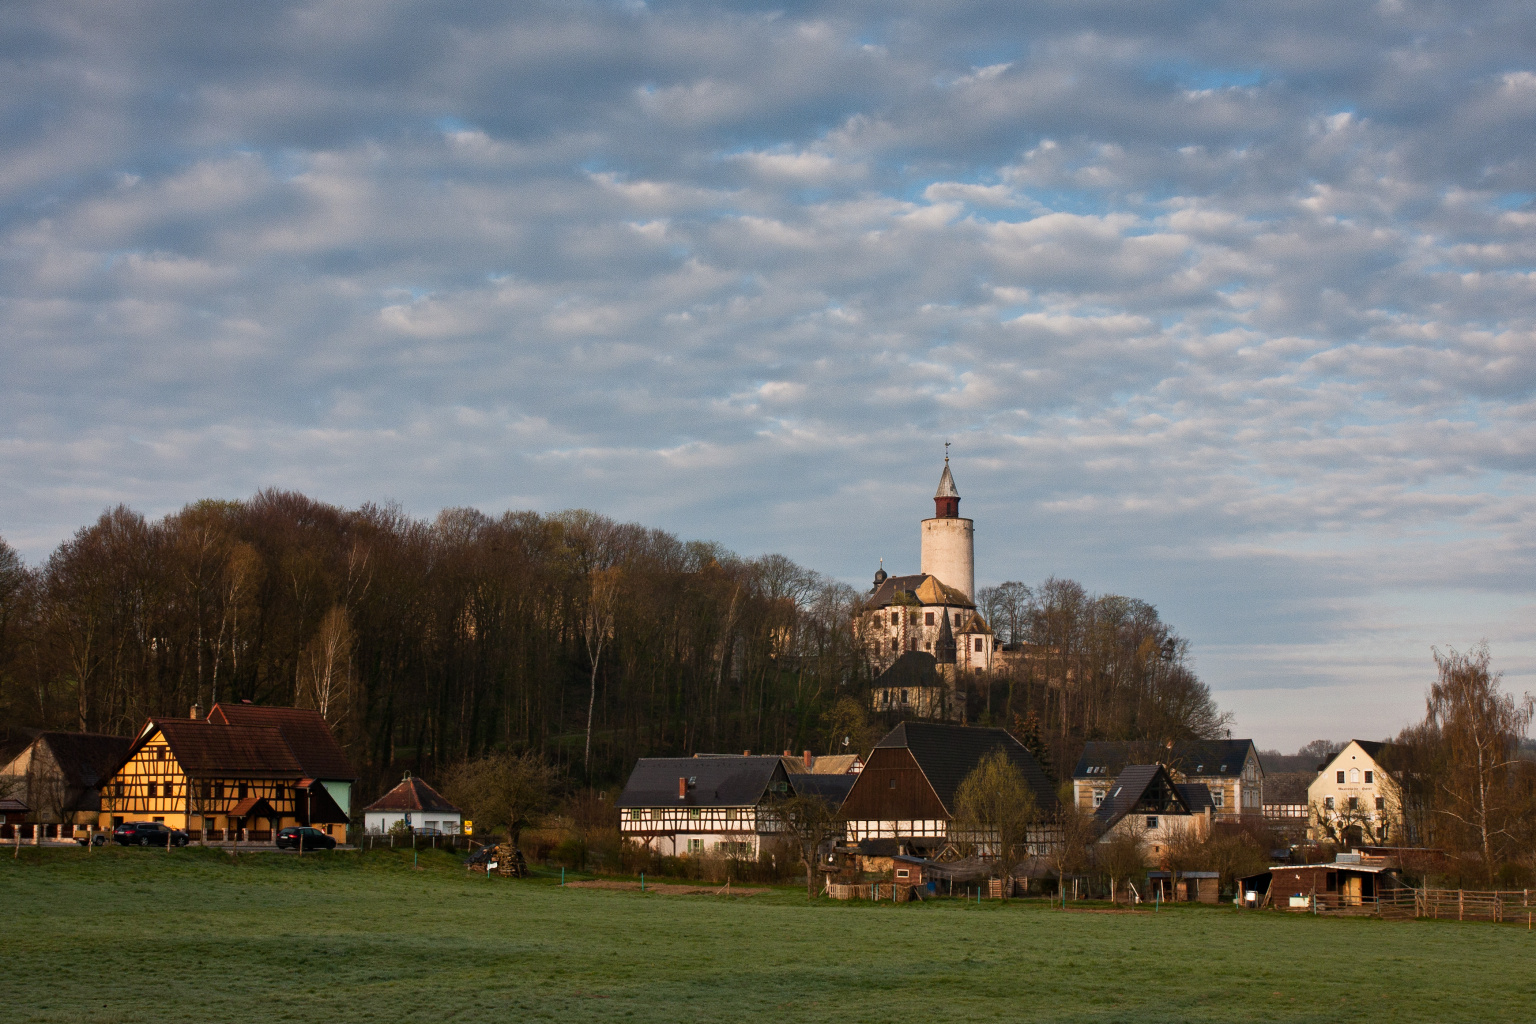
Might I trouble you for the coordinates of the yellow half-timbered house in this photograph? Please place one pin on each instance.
(209, 776)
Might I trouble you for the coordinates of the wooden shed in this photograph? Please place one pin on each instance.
(1191, 886)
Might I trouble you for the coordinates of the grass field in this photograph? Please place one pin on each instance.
(147, 935)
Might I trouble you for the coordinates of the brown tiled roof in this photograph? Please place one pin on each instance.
(204, 749)
(306, 732)
(85, 758)
(921, 589)
(411, 795)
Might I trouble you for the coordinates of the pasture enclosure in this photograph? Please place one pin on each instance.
(194, 935)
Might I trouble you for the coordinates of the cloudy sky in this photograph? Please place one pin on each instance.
(1230, 307)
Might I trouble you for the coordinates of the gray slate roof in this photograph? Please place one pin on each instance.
(717, 781)
(831, 788)
(1216, 758)
(948, 753)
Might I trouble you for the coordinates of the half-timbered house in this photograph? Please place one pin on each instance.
(907, 788)
(691, 806)
(58, 775)
(205, 775)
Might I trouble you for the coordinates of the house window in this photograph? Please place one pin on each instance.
(695, 846)
(1328, 802)
(1354, 775)
(1219, 798)
(928, 618)
(693, 812)
(893, 783)
(903, 873)
(1098, 797)
(242, 791)
(1339, 777)
(1381, 803)
(277, 793)
(1370, 777)
(730, 815)
(1151, 821)
(654, 812)
(1354, 802)
(218, 791)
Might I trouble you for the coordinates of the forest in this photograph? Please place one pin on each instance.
(578, 639)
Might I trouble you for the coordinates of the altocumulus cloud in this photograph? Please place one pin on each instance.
(1230, 308)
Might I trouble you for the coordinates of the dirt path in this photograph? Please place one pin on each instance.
(665, 889)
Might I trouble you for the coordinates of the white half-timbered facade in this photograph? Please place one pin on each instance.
(697, 806)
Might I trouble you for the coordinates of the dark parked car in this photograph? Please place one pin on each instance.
(148, 833)
(312, 838)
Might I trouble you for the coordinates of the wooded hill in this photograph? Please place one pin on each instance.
(588, 641)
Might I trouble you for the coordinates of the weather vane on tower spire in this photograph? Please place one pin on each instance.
(946, 453)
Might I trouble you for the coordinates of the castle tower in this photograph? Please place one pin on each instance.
(949, 542)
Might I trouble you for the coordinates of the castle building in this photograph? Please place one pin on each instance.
(931, 613)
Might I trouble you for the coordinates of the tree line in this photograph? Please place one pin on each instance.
(571, 637)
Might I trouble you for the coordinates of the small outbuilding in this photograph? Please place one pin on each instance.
(415, 805)
(1189, 887)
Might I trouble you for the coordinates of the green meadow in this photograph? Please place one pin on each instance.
(146, 935)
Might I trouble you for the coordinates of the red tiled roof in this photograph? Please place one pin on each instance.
(412, 795)
(204, 749)
(306, 732)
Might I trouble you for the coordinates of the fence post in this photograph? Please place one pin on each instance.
(1461, 904)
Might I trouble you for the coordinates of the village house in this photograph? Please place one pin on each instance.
(1353, 801)
(205, 774)
(1145, 801)
(907, 788)
(691, 806)
(414, 805)
(933, 611)
(1229, 769)
(57, 777)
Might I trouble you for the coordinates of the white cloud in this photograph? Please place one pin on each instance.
(1257, 346)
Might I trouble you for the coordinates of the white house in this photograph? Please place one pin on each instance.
(1354, 798)
(416, 805)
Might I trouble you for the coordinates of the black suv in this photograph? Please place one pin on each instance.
(312, 838)
(148, 833)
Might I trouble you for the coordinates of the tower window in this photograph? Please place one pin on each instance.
(978, 645)
(895, 618)
(957, 620)
(928, 618)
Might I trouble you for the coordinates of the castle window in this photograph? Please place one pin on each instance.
(957, 620)
(928, 618)
(895, 618)
(978, 645)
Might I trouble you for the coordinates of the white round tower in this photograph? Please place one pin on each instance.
(949, 542)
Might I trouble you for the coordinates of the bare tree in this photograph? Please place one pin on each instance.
(325, 667)
(1476, 730)
(809, 821)
(1123, 854)
(995, 807)
(602, 597)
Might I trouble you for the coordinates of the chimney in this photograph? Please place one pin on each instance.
(809, 760)
(197, 712)
(682, 787)
(788, 754)
(746, 753)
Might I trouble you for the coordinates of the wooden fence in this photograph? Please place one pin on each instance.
(893, 891)
(1512, 905)
(385, 840)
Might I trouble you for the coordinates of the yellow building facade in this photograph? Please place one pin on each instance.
(204, 775)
